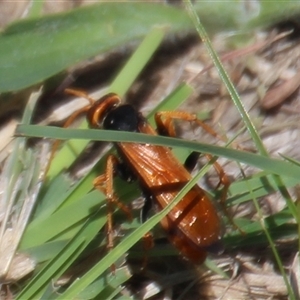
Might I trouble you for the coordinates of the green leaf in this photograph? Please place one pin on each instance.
(35, 49)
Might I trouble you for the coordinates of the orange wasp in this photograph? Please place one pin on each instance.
(193, 225)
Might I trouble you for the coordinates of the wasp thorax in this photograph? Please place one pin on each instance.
(124, 118)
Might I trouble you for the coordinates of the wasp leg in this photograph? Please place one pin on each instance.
(148, 242)
(165, 126)
(70, 120)
(104, 183)
(147, 206)
(81, 94)
(223, 180)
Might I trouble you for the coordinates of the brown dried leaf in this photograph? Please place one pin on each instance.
(280, 93)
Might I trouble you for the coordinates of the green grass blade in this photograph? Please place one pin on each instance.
(32, 289)
(76, 212)
(59, 264)
(137, 62)
(225, 78)
(265, 163)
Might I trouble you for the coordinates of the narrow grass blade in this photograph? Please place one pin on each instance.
(63, 260)
(137, 62)
(265, 163)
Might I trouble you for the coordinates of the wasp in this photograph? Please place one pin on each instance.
(193, 226)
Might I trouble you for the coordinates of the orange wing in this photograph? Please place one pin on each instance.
(160, 172)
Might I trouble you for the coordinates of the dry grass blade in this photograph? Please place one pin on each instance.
(21, 181)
